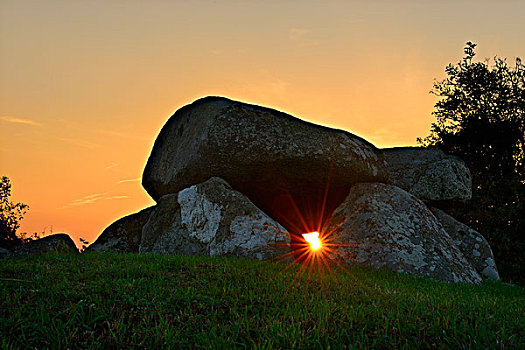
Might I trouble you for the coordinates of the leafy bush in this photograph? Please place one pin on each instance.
(480, 117)
(10, 216)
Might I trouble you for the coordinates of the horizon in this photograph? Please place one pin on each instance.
(86, 87)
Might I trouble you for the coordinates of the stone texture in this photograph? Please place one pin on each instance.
(386, 226)
(124, 235)
(60, 243)
(212, 219)
(428, 174)
(269, 156)
(472, 244)
(4, 253)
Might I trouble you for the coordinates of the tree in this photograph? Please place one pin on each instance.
(10, 216)
(480, 117)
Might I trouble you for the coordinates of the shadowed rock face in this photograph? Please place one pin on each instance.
(212, 219)
(281, 163)
(472, 244)
(59, 242)
(428, 174)
(124, 235)
(388, 227)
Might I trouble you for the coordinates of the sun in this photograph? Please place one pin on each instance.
(313, 239)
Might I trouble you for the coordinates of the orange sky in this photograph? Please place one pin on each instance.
(85, 86)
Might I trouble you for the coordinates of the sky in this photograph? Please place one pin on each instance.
(85, 86)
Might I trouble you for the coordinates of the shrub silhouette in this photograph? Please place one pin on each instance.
(480, 117)
(10, 216)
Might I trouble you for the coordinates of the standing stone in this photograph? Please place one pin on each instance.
(382, 225)
(124, 235)
(472, 244)
(271, 157)
(212, 219)
(428, 173)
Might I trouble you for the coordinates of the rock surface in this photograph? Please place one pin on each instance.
(60, 243)
(269, 156)
(428, 174)
(124, 235)
(212, 219)
(472, 244)
(392, 228)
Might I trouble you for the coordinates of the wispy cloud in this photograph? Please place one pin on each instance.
(19, 121)
(121, 134)
(92, 198)
(297, 33)
(301, 37)
(89, 199)
(78, 142)
(116, 197)
(267, 86)
(129, 180)
(112, 165)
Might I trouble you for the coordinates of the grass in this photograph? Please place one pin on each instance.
(150, 301)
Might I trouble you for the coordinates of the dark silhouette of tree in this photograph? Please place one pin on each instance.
(10, 216)
(480, 117)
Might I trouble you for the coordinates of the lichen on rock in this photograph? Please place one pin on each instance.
(212, 219)
(384, 226)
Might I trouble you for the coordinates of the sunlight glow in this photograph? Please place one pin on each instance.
(313, 239)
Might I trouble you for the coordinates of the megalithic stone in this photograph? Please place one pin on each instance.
(283, 164)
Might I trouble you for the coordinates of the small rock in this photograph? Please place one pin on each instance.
(124, 235)
(60, 243)
(474, 246)
(4, 253)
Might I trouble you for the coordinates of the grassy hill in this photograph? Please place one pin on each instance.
(150, 301)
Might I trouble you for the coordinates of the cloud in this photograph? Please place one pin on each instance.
(121, 134)
(77, 142)
(296, 34)
(19, 121)
(116, 197)
(266, 86)
(129, 180)
(92, 198)
(89, 199)
(300, 37)
(112, 165)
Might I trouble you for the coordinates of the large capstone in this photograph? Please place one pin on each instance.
(212, 219)
(124, 235)
(283, 164)
(428, 174)
(472, 244)
(384, 226)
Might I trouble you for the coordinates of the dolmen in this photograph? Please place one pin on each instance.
(231, 178)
